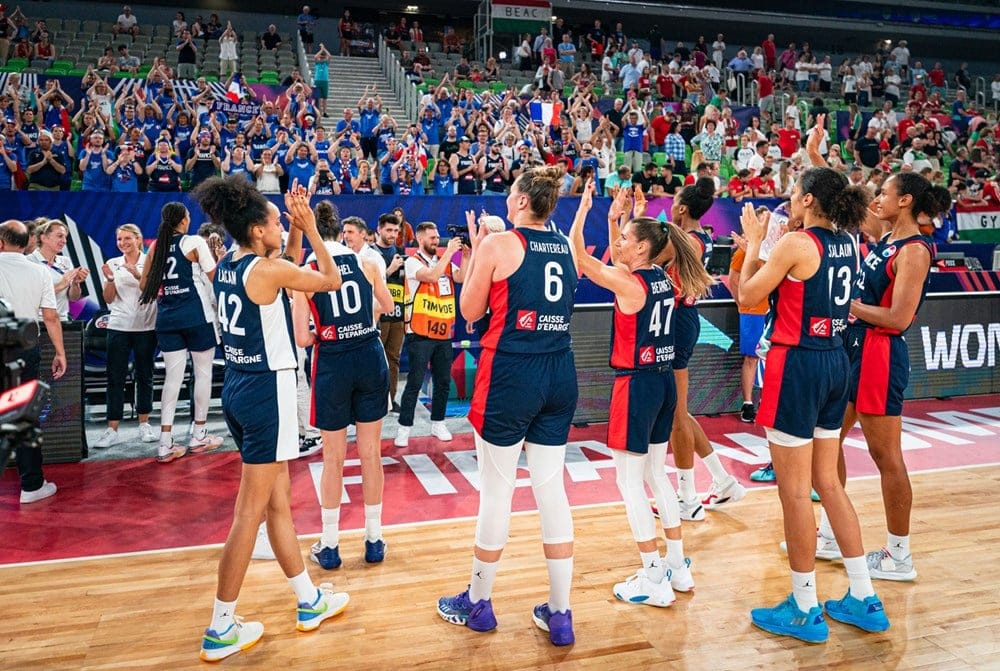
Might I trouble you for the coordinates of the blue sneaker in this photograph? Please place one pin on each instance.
(375, 552)
(460, 610)
(814, 496)
(765, 474)
(786, 619)
(559, 625)
(866, 613)
(328, 558)
(327, 604)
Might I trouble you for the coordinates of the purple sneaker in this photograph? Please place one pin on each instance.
(559, 625)
(460, 610)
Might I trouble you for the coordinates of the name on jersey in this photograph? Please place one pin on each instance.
(652, 355)
(226, 276)
(844, 250)
(660, 287)
(344, 269)
(235, 355)
(530, 320)
(443, 308)
(548, 247)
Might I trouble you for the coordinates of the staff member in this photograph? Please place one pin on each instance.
(391, 323)
(429, 306)
(27, 286)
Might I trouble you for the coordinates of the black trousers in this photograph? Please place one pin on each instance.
(29, 460)
(142, 346)
(420, 352)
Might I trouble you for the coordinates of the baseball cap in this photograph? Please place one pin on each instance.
(464, 138)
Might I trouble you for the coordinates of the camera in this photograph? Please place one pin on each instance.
(461, 232)
(20, 404)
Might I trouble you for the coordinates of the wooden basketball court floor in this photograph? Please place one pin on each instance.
(147, 610)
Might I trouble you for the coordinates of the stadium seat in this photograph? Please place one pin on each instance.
(660, 158)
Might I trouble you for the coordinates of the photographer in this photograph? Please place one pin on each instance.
(27, 286)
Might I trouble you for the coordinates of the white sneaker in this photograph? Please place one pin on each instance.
(639, 589)
(402, 436)
(680, 578)
(719, 495)
(107, 439)
(691, 511)
(45, 491)
(240, 636)
(147, 433)
(826, 548)
(883, 566)
(440, 431)
(328, 604)
(206, 443)
(262, 546)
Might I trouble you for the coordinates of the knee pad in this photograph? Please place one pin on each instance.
(545, 462)
(497, 475)
(663, 490)
(629, 470)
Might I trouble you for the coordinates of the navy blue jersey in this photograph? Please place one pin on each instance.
(876, 279)
(645, 339)
(255, 338)
(466, 182)
(179, 304)
(813, 313)
(531, 309)
(344, 318)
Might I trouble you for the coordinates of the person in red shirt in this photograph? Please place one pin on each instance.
(765, 92)
(789, 138)
(770, 52)
(937, 78)
(918, 91)
(762, 185)
(991, 193)
(665, 86)
(659, 126)
(739, 186)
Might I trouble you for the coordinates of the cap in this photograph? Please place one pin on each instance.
(982, 173)
(204, 133)
(464, 138)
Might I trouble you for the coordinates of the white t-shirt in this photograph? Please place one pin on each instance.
(127, 21)
(892, 83)
(825, 72)
(127, 314)
(902, 55)
(995, 88)
(850, 84)
(60, 265)
(26, 285)
(802, 71)
(744, 154)
(755, 164)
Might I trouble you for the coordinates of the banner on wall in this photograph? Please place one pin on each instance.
(978, 223)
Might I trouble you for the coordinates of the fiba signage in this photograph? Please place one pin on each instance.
(518, 15)
(963, 345)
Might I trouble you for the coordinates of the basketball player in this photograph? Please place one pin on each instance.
(178, 278)
(809, 275)
(688, 207)
(644, 394)
(889, 291)
(350, 384)
(258, 397)
(525, 394)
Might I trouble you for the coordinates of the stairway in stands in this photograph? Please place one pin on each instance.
(348, 79)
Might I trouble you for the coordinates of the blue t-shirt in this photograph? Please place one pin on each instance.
(632, 137)
(369, 122)
(94, 177)
(321, 71)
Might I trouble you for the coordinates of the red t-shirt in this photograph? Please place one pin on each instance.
(936, 77)
(737, 187)
(660, 127)
(765, 86)
(762, 187)
(788, 140)
(665, 85)
(991, 193)
(770, 50)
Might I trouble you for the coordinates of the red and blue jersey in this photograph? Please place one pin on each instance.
(531, 309)
(877, 280)
(344, 319)
(812, 313)
(645, 339)
(703, 241)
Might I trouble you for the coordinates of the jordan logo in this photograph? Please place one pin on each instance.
(808, 584)
(479, 574)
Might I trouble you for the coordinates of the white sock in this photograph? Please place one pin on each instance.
(685, 484)
(484, 574)
(560, 580)
(804, 590)
(898, 546)
(331, 527)
(825, 530)
(715, 467)
(675, 553)
(166, 439)
(861, 579)
(200, 431)
(222, 616)
(373, 522)
(650, 563)
(305, 590)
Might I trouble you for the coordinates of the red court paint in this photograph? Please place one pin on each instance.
(108, 507)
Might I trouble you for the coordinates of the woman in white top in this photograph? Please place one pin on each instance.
(51, 238)
(268, 172)
(131, 330)
(228, 58)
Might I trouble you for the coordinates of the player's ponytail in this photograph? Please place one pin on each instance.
(171, 216)
(694, 279)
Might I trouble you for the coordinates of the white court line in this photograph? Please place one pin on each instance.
(423, 523)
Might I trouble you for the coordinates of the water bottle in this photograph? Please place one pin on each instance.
(776, 227)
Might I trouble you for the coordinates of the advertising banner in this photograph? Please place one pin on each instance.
(978, 223)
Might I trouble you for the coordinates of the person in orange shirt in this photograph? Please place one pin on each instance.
(751, 329)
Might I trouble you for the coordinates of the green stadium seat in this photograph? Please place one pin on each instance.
(619, 159)
(17, 63)
(660, 158)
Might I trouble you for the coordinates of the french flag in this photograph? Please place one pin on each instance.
(235, 92)
(545, 113)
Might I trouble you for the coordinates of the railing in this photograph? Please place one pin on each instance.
(741, 89)
(305, 69)
(779, 117)
(979, 87)
(406, 92)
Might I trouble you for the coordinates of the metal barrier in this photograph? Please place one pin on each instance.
(979, 87)
(741, 90)
(405, 90)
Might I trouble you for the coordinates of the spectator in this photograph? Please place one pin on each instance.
(163, 170)
(567, 54)
(345, 30)
(107, 64)
(179, 24)
(228, 57)
(126, 24)
(416, 36)
(307, 25)
(268, 173)
(203, 159)
(94, 162)
(462, 70)
(539, 44)
(45, 50)
(937, 79)
(962, 78)
(213, 29)
(28, 287)
(270, 40)
(126, 170)
(127, 61)
(622, 178)
(45, 168)
(187, 56)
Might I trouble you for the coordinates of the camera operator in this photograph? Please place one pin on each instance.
(27, 286)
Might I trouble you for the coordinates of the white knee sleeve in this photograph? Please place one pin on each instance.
(174, 364)
(303, 396)
(786, 439)
(663, 490)
(629, 470)
(497, 474)
(202, 383)
(545, 462)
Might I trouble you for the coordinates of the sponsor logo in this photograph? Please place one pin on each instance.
(328, 333)
(820, 327)
(647, 355)
(889, 251)
(526, 320)
(965, 346)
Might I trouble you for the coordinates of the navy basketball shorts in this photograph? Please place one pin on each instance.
(262, 416)
(880, 371)
(751, 329)
(687, 328)
(194, 339)
(642, 409)
(804, 389)
(528, 397)
(349, 386)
